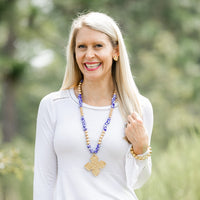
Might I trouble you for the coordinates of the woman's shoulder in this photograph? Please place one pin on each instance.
(147, 113)
(145, 103)
(143, 100)
(54, 96)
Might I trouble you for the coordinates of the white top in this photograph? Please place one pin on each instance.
(61, 152)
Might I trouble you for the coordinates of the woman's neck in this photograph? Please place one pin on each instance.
(97, 93)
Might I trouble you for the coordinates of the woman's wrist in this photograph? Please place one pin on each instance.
(141, 149)
(142, 156)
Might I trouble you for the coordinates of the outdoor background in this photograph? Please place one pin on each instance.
(163, 41)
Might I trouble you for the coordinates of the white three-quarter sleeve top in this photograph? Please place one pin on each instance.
(61, 152)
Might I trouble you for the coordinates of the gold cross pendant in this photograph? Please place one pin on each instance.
(95, 165)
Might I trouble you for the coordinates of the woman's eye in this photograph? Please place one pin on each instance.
(81, 46)
(99, 45)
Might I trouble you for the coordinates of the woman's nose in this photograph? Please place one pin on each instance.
(90, 53)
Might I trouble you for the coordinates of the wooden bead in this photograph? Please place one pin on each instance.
(141, 157)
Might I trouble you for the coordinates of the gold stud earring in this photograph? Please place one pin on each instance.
(115, 58)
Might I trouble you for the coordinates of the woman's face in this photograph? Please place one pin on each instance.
(94, 54)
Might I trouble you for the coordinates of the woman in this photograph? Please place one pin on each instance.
(93, 135)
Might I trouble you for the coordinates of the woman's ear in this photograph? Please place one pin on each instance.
(116, 50)
(116, 53)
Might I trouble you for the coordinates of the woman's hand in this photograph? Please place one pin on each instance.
(136, 133)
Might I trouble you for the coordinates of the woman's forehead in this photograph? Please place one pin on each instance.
(88, 34)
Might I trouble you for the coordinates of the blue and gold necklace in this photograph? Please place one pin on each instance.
(95, 165)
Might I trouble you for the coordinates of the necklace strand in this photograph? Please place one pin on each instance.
(113, 101)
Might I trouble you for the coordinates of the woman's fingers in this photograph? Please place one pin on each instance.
(137, 117)
(133, 119)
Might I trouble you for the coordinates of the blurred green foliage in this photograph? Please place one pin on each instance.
(175, 171)
(162, 38)
(11, 163)
(16, 170)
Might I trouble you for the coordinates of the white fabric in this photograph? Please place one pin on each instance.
(61, 152)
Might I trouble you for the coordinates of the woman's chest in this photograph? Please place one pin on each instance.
(70, 142)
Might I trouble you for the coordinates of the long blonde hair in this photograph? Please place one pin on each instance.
(128, 93)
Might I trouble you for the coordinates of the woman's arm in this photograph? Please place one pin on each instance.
(138, 171)
(45, 166)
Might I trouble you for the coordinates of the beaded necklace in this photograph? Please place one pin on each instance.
(94, 166)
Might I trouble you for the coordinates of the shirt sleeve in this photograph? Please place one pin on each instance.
(45, 164)
(139, 171)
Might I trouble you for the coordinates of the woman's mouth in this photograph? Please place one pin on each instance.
(92, 66)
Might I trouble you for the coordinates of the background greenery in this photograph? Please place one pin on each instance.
(163, 40)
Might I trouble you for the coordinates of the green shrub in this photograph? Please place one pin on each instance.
(16, 170)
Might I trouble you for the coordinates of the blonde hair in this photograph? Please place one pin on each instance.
(128, 93)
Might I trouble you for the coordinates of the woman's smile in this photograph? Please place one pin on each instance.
(92, 66)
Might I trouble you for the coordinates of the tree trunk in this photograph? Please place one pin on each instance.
(8, 85)
(8, 109)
